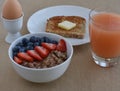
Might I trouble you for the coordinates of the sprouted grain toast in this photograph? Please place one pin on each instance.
(75, 30)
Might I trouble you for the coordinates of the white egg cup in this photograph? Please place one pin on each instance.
(13, 26)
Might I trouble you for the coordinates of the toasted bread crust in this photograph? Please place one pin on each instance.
(76, 32)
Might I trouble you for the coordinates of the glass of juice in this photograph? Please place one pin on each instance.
(104, 30)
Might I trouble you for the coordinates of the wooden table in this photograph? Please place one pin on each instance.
(82, 75)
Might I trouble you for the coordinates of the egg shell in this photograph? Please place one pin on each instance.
(11, 9)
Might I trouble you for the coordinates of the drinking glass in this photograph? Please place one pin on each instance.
(104, 30)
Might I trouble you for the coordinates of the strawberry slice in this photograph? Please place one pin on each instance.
(49, 46)
(61, 46)
(25, 56)
(17, 60)
(34, 54)
(43, 52)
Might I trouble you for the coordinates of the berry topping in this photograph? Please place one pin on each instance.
(20, 44)
(34, 39)
(61, 46)
(49, 46)
(30, 44)
(46, 39)
(43, 52)
(25, 41)
(17, 60)
(16, 49)
(29, 48)
(34, 54)
(54, 42)
(25, 56)
(39, 51)
(22, 49)
(36, 44)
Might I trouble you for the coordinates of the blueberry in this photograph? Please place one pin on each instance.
(54, 42)
(37, 39)
(23, 49)
(16, 49)
(14, 54)
(36, 44)
(42, 39)
(20, 44)
(30, 44)
(29, 48)
(46, 39)
(25, 41)
(33, 39)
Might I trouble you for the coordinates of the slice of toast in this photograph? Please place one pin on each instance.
(77, 32)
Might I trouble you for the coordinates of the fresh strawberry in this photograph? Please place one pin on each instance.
(49, 46)
(61, 46)
(25, 56)
(17, 60)
(43, 52)
(34, 54)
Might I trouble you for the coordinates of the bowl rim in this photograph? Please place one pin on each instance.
(40, 69)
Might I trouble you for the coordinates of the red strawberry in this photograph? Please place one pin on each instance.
(49, 46)
(34, 54)
(25, 56)
(17, 60)
(61, 46)
(43, 52)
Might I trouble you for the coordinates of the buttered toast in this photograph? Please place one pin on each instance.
(67, 26)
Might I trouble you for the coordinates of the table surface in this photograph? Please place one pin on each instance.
(82, 75)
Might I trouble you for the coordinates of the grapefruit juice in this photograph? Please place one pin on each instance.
(104, 29)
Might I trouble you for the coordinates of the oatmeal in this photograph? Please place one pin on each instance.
(38, 52)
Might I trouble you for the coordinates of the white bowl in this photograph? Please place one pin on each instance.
(44, 74)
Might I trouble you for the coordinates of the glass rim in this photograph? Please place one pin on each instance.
(91, 18)
(93, 12)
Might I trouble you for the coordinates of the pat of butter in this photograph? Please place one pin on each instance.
(67, 25)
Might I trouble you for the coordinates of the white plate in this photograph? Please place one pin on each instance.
(37, 22)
